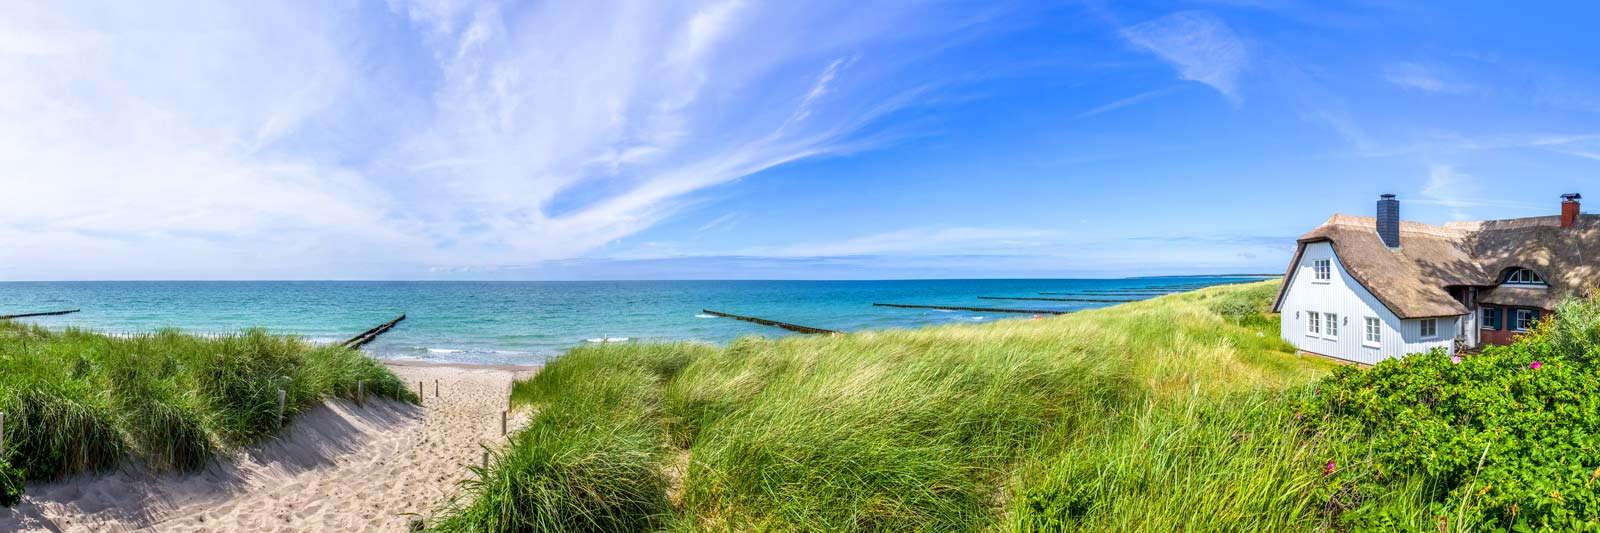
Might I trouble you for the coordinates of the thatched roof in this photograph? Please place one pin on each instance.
(1413, 280)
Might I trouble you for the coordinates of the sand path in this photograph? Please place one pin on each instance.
(340, 468)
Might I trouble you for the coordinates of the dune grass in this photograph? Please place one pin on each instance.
(78, 401)
(1161, 414)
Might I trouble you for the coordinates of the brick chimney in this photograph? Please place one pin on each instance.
(1569, 209)
(1389, 220)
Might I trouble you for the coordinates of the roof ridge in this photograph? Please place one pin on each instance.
(1406, 226)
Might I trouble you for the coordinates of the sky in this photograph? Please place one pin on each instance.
(457, 139)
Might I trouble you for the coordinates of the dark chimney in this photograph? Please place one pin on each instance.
(1569, 209)
(1389, 220)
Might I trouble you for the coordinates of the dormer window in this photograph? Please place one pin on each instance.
(1524, 276)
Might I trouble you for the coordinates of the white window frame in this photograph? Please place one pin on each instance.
(1426, 324)
(1330, 326)
(1313, 324)
(1374, 332)
(1483, 318)
(1525, 277)
(1517, 326)
(1322, 270)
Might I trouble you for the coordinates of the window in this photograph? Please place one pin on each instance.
(1525, 319)
(1374, 331)
(1523, 276)
(1430, 328)
(1491, 318)
(1323, 268)
(1332, 325)
(1313, 323)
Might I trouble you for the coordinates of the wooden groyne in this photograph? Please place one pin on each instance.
(46, 313)
(1041, 299)
(978, 309)
(785, 325)
(368, 335)
(1129, 291)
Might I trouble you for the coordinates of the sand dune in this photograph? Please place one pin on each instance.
(340, 468)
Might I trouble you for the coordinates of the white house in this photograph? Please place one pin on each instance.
(1364, 289)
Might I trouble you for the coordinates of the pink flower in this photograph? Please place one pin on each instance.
(1332, 466)
(1455, 359)
(1535, 365)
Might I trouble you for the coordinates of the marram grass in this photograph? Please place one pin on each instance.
(1157, 415)
(78, 401)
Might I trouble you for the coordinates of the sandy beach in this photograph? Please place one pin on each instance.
(341, 467)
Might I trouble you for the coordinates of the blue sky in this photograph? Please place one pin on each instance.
(805, 140)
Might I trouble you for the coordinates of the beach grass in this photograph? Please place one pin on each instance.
(78, 401)
(1161, 414)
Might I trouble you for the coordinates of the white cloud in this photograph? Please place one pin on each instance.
(134, 145)
(322, 141)
(1418, 77)
(1461, 192)
(722, 223)
(1199, 45)
(1128, 101)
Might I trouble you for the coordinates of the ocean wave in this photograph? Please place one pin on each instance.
(703, 315)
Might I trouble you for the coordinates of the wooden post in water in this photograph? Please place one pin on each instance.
(280, 408)
(785, 325)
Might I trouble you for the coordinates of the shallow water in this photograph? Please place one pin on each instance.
(527, 322)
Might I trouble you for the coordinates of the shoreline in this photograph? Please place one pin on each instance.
(412, 363)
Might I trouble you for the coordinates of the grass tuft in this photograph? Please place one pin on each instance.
(78, 401)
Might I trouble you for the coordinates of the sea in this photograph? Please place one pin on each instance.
(529, 322)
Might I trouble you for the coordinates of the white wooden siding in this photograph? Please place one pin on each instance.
(1345, 297)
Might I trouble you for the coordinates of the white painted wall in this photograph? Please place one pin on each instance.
(1344, 296)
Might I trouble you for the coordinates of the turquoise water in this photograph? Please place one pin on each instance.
(528, 322)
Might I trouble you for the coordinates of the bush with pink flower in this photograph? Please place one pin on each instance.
(1505, 439)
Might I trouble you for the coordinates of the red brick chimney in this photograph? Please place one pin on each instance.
(1569, 209)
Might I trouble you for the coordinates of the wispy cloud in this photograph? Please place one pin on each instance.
(1199, 45)
(1419, 77)
(722, 223)
(321, 140)
(1131, 100)
(1446, 186)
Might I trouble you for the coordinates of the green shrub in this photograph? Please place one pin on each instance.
(1507, 438)
(10, 484)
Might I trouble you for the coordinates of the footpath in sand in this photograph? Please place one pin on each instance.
(339, 468)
